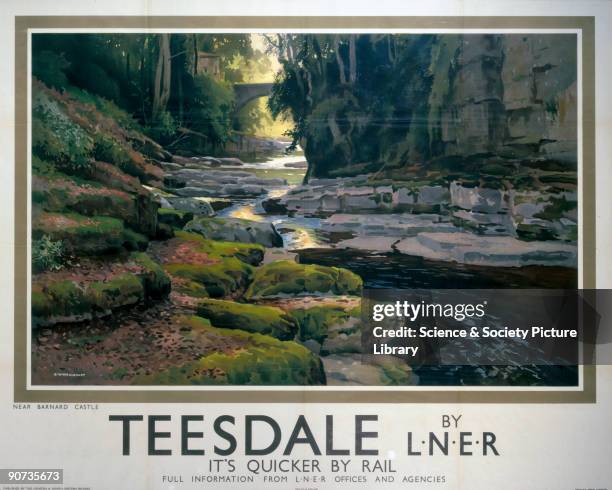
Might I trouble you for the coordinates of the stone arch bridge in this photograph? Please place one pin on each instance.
(246, 92)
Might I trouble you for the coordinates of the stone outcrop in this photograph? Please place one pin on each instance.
(207, 182)
(236, 230)
(508, 96)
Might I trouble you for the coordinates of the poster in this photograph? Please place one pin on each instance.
(306, 251)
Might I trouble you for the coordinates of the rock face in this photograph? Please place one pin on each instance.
(511, 96)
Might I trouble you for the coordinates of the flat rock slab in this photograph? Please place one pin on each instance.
(396, 225)
(502, 251)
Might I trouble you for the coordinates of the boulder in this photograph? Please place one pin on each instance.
(197, 207)
(285, 277)
(236, 230)
(218, 280)
(385, 225)
(265, 320)
(174, 217)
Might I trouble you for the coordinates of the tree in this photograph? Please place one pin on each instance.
(163, 77)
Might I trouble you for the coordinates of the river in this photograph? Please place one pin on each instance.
(303, 237)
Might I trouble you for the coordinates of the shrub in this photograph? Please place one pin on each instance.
(47, 254)
(211, 106)
(56, 138)
(164, 128)
(110, 151)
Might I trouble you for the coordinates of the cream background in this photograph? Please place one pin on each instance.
(542, 446)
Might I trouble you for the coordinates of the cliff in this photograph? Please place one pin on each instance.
(473, 99)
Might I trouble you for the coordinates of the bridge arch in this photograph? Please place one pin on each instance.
(246, 92)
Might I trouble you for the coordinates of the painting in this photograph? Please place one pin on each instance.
(207, 209)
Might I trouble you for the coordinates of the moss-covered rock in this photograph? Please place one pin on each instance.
(250, 253)
(156, 283)
(286, 277)
(66, 301)
(266, 320)
(122, 290)
(133, 240)
(366, 370)
(174, 217)
(263, 361)
(315, 323)
(81, 235)
(87, 235)
(190, 288)
(220, 279)
(71, 297)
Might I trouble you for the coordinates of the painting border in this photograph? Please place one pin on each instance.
(277, 394)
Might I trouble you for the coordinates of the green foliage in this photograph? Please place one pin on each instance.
(106, 107)
(50, 68)
(262, 361)
(266, 320)
(106, 149)
(163, 128)
(211, 105)
(56, 138)
(355, 99)
(47, 254)
(288, 277)
(93, 78)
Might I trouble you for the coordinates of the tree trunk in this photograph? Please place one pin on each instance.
(180, 98)
(195, 55)
(339, 60)
(352, 60)
(161, 86)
